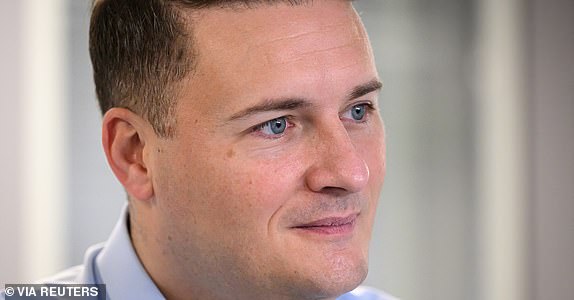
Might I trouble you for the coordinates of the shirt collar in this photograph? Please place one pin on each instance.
(119, 267)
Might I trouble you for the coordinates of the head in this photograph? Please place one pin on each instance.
(247, 136)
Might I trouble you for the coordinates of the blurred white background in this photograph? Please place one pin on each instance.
(479, 108)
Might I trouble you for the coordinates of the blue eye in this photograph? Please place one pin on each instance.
(358, 112)
(274, 127)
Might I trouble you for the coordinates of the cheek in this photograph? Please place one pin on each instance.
(248, 191)
(373, 149)
(378, 160)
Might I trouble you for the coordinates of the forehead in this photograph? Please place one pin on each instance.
(281, 47)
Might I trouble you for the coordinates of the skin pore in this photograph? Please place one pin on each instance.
(269, 188)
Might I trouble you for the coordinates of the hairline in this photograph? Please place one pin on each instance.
(190, 15)
(160, 108)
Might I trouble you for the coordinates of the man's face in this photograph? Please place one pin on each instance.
(271, 183)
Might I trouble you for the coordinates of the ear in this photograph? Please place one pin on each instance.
(124, 137)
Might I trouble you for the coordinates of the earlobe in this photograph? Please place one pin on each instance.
(124, 142)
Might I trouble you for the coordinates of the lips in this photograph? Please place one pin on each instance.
(330, 225)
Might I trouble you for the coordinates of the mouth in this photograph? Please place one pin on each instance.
(330, 226)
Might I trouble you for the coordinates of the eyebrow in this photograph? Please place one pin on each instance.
(298, 103)
(272, 105)
(364, 89)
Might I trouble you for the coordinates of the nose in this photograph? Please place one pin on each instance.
(336, 163)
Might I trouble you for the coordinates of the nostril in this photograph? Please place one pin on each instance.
(334, 191)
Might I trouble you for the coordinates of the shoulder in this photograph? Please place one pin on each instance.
(73, 275)
(68, 276)
(366, 293)
(81, 274)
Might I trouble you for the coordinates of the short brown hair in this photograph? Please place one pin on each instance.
(140, 49)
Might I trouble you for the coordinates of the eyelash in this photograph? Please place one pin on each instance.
(258, 128)
(288, 119)
(370, 108)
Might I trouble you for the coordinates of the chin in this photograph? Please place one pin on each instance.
(339, 277)
(322, 270)
(345, 280)
(348, 268)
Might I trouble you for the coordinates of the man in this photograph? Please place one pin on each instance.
(247, 137)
